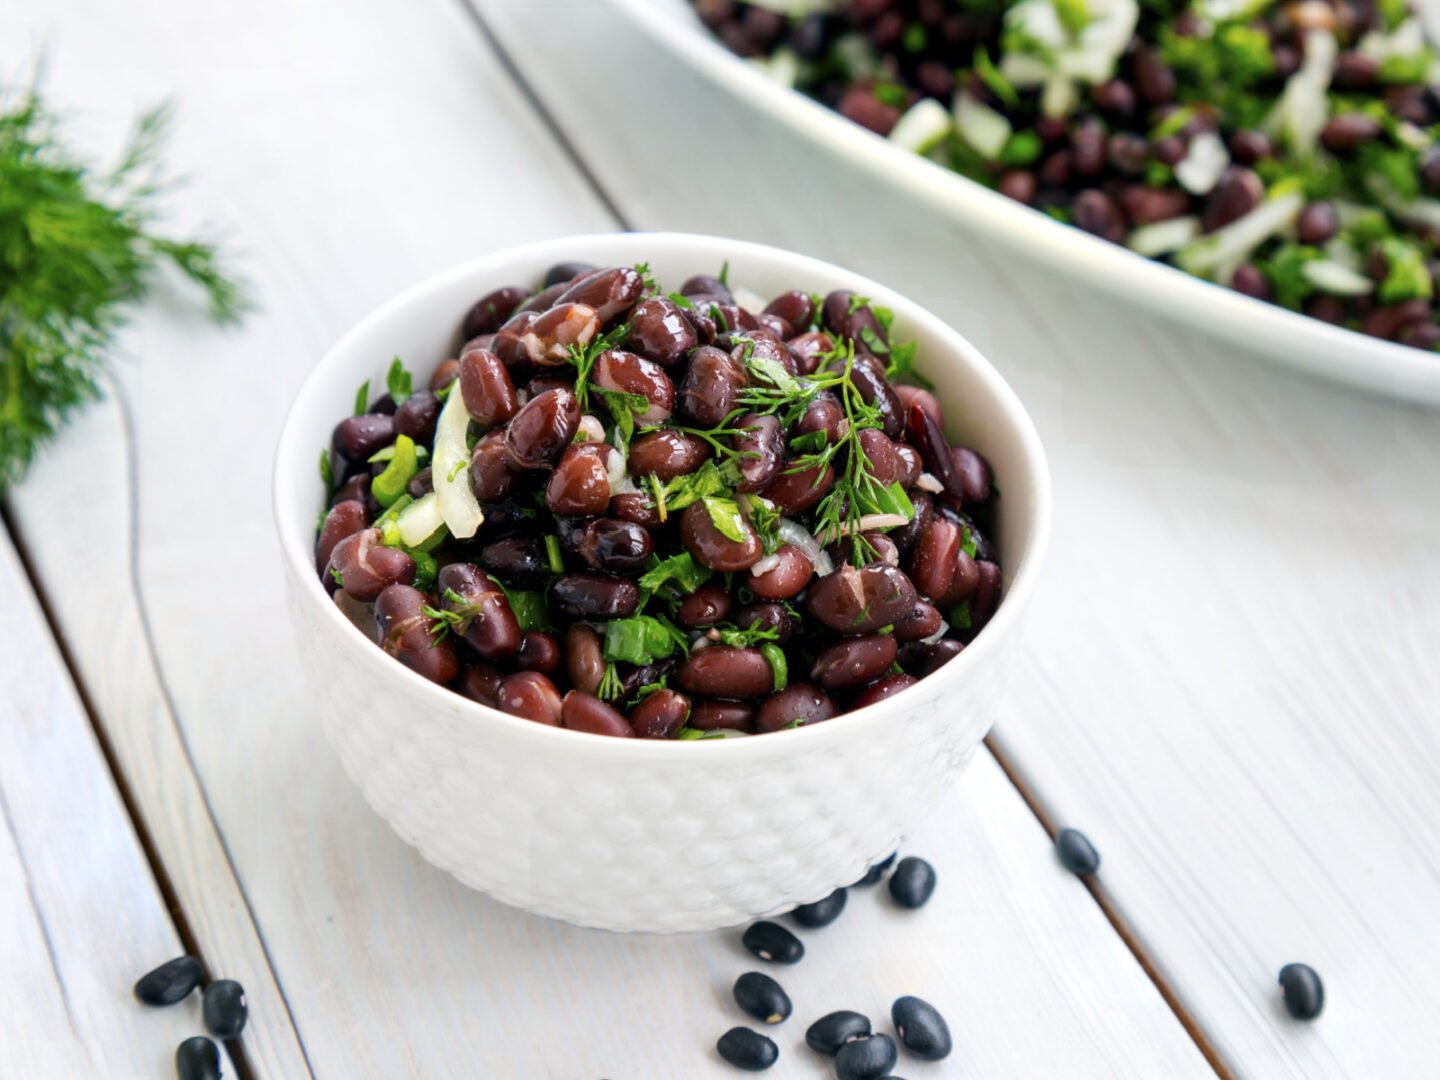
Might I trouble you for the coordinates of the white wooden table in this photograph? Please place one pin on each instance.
(1231, 683)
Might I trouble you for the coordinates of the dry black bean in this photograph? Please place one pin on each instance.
(748, 1050)
(833, 1030)
(868, 1057)
(197, 1058)
(762, 997)
(876, 873)
(225, 1009)
(1076, 853)
(912, 883)
(1302, 990)
(822, 912)
(172, 981)
(773, 943)
(921, 1028)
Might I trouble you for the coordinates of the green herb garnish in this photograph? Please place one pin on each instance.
(398, 382)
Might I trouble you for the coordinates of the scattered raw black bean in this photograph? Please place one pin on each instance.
(197, 1058)
(833, 1030)
(876, 873)
(172, 981)
(225, 1009)
(762, 997)
(822, 912)
(913, 882)
(1303, 991)
(748, 1050)
(1076, 852)
(921, 1028)
(867, 1058)
(772, 942)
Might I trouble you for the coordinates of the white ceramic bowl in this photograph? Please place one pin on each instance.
(1252, 326)
(631, 834)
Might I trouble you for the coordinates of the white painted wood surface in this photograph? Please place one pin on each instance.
(81, 914)
(1232, 681)
(348, 151)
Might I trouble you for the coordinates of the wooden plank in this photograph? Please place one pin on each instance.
(82, 913)
(390, 967)
(1230, 682)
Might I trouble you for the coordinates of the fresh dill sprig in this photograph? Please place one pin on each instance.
(76, 250)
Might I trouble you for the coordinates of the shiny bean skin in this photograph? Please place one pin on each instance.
(923, 620)
(809, 348)
(444, 375)
(530, 696)
(595, 596)
(799, 701)
(487, 388)
(667, 454)
(491, 310)
(539, 651)
(584, 658)
(775, 325)
(630, 373)
(660, 331)
(405, 633)
(772, 616)
(416, 417)
(706, 285)
(920, 660)
(580, 483)
(825, 414)
(963, 584)
(765, 346)
(545, 299)
(611, 292)
(717, 714)
(356, 487)
(714, 549)
(868, 375)
(984, 549)
(881, 549)
(785, 581)
(854, 662)
(508, 342)
(491, 629)
(480, 682)
(366, 567)
(910, 464)
(564, 273)
(933, 560)
(879, 450)
(542, 383)
(796, 492)
(542, 429)
(547, 340)
(841, 320)
(421, 484)
(725, 670)
(883, 688)
(711, 603)
(357, 437)
(344, 519)
(796, 307)
(860, 601)
(760, 448)
(490, 473)
(637, 507)
(904, 537)
(620, 547)
(986, 597)
(711, 385)
(661, 715)
(925, 435)
(521, 561)
(580, 711)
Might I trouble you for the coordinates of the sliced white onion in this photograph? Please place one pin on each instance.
(793, 533)
(765, 565)
(928, 482)
(1221, 253)
(748, 299)
(615, 470)
(924, 125)
(1332, 277)
(1203, 164)
(1163, 237)
(450, 469)
(795, 7)
(418, 521)
(981, 126)
(1059, 98)
(1304, 106)
(590, 429)
(1407, 39)
(869, 522)
(783, 66)
(937, 635)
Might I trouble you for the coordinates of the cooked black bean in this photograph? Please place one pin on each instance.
(772, 616)
(860, 600)
(854, 662)
(921, 659)
(521, 561)
(363, 567)
(714, 549)
(580, 711)
(490, 473)
(172, 981)
(530, 695)
(773, 943)
(481, 609)
(1303, 992)
(784, 580)
(921, 1028)
(225, 1009)
(724, 670)
(882, 688)
(748, 1050)
(357, 437)
(539, 433)
(711, 385)
(610, 292)
(833, 1030)
(660, 715)
(666, 454)
(487, 388)
(621, 547)
(539, 651)
(563, 273)
(868, 1057)
(822, 912)
(876, 873)
(1076, 853)
(416, 417)
(762, 997)
(595, 596)
(491, 310)
(913, 882)
(197, 1058)
(798, 704)
(630, 373)
(709, 604)
(409, 634)
(760, 447)
(345, 518)
(660, 331)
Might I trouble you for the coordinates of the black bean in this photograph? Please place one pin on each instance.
(595, 596)
(1304, 992)
(1076, 852)
(563, 273)
(172, 981)
(762, 997)
(771, 941)
(822, 912)
(225, 1009)
(748, 1050)
(921, 1028)
(876, 873)
(866, 1058)
(197, 1058)
(913, 882)
(833, 1030)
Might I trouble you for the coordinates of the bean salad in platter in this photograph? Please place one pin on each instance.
(671, 515)
(1288, 149)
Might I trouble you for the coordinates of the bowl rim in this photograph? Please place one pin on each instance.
(1319, 348)
(298, 555)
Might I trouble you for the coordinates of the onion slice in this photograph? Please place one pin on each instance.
(450, 469)
(793, 533)
(419, 521)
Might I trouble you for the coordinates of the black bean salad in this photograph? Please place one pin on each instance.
(668, 515)
(1287, 150)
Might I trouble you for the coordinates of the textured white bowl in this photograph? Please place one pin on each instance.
(1252, 326)
(639, 834)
